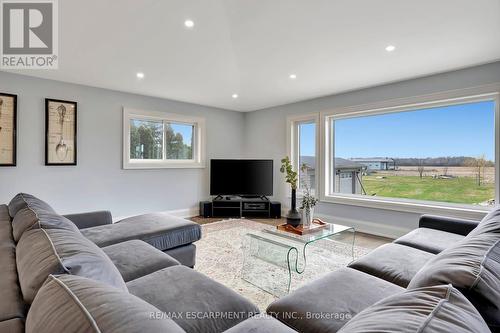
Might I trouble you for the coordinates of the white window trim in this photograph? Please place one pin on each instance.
(488, 92)
(293, 143)
(199, 153)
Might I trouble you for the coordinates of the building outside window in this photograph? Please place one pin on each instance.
(440, 154)
(348, 176)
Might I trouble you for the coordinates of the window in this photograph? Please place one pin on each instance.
(179, 141)
(303, 151)
(162, 140)
(442, 153)
(146, 139)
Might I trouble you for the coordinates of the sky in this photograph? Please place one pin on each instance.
(307, 138)
(185, 130)
(457, 130)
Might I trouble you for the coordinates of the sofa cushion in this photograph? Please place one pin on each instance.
(27, 218)
(11, 301)
(161, 230)
(41, 252)
(430, 240)
(201, 304)
(489, 224)
(136, 258)
(5, 225)
(438, 309)
(260, 324)
(185, 254)
(11, 304)
(14, 325)
(393, 262)
(23, 200)
(326, 304)
(75, 304)
(91, 219)
(473, 267)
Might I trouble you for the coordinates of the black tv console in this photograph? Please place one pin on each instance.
(240, 207)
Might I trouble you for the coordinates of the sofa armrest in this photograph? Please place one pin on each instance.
(90, 219)
(448, 224)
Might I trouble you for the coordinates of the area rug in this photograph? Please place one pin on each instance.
(220, 256)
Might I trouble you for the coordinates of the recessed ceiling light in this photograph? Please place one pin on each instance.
(234, 96)
(390, 48)
(189, 23)
(293, 76)
(140, 75)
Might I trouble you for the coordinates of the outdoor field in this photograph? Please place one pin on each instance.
(405, 183)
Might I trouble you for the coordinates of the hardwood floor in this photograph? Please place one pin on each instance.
(362, 239)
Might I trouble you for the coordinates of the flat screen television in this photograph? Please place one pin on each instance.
(241, 177)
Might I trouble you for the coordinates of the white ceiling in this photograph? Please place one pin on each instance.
(251, 47)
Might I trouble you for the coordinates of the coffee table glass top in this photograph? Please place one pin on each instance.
(325, 232)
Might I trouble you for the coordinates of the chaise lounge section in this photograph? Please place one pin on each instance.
(175, 236)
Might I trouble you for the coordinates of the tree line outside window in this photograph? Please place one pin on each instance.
(147, 138)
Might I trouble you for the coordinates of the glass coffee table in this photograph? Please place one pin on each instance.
(272, 257)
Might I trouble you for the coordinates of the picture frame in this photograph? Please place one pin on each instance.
(60, 132)
(8, 130)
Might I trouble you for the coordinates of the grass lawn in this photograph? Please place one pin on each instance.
(457, 190)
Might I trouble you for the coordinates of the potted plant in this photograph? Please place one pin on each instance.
(293, 217)
(308, 200)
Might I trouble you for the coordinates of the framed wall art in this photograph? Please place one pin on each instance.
(8, 123)
(60, 132)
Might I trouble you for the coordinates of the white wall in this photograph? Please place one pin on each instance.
(98, 181)
(265, 132)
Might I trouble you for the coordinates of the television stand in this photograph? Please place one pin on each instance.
(226, 206)
(262, 197)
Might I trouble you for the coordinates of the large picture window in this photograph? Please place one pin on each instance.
(443, 153)
(161, 140)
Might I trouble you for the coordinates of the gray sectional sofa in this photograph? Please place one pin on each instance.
(80, 273)
(130, 276)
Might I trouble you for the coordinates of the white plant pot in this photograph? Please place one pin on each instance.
(307, 217)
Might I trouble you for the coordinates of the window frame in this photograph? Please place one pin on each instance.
(198, 140)
(293, 145)
(485, 93)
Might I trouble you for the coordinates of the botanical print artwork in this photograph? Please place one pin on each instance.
(7, 129)
(61, 132)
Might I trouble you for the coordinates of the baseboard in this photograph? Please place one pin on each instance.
(377, 229)
(184, 213)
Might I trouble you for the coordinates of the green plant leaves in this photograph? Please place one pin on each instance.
(291, 176)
